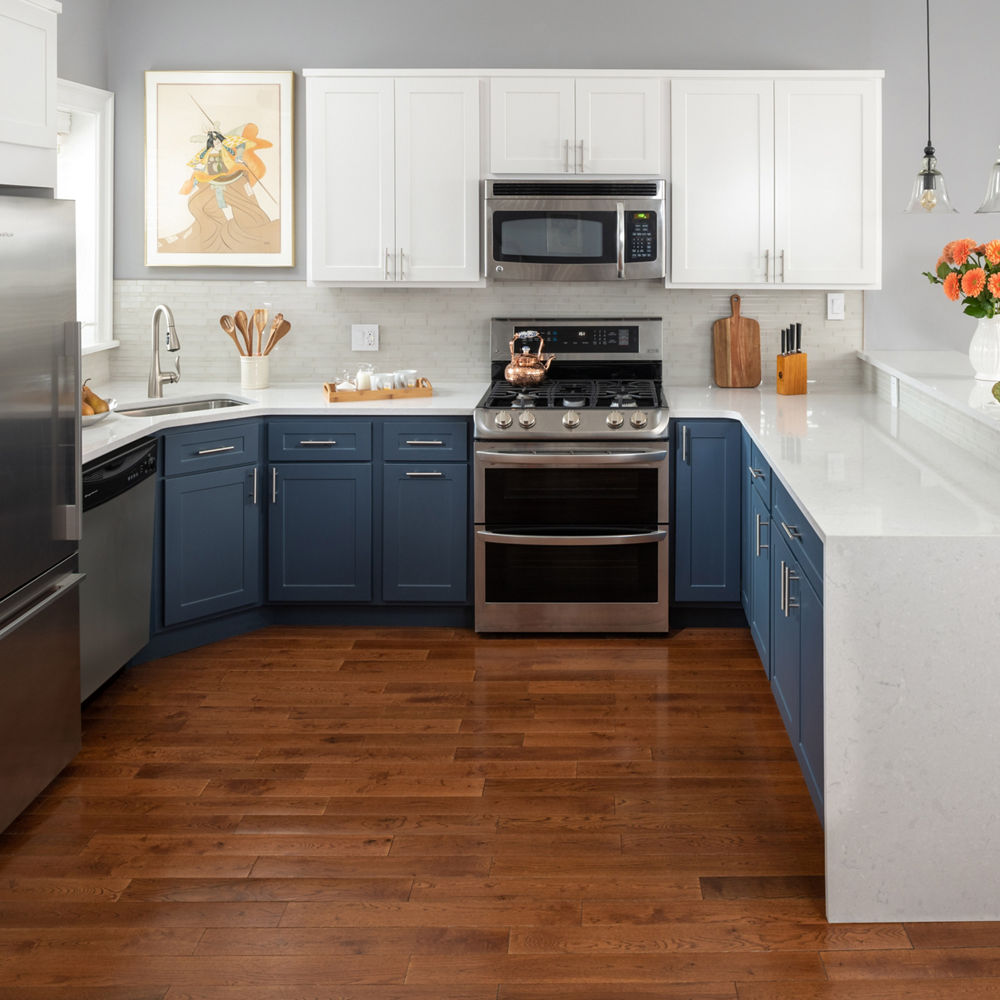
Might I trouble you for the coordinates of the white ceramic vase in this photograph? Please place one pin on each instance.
(984, 349)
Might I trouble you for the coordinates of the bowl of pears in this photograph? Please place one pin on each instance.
(93, 407)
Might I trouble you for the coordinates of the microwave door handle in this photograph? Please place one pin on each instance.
(502, 538)
(621, 240)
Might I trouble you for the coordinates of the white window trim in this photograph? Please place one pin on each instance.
(77, 97)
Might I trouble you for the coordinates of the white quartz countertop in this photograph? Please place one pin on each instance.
(857, 466)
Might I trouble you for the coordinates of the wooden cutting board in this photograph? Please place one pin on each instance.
(737, 350)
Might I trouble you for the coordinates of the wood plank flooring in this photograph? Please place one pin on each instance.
(347, 814)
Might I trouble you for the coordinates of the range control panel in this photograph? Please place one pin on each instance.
(640, 236)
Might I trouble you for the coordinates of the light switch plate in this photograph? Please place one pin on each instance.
(835, 305)
(364, 336)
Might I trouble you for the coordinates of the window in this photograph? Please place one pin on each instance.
(84, 174)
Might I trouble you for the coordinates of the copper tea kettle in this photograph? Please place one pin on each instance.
(527, 368)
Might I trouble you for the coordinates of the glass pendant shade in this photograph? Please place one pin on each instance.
(929, 192)
(991, 203)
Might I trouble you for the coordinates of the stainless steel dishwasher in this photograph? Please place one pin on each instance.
(116, 553)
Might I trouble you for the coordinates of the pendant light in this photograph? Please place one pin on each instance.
(991, 203)
(929, 193)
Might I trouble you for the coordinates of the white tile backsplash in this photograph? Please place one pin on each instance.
(444, 333)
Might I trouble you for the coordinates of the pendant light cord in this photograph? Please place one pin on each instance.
(929, 75)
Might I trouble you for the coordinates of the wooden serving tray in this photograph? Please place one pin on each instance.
(423, 389)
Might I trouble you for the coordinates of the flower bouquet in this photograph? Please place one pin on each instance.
(970, 269)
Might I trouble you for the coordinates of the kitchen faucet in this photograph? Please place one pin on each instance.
(157, 377)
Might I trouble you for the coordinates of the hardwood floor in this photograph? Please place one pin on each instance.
(339, 814)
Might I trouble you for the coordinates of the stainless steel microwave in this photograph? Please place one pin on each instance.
(564, 230)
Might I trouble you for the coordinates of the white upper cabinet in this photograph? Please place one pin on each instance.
(28, 92)
(566, 125)
(776, 181)
(392, 179)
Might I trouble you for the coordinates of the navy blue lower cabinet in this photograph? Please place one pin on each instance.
(746, 518)
(211, 538)
(425, 531)
(706, 521)
(319, 531)
(757, 548)
(797, 663)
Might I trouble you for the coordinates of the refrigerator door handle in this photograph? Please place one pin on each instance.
(69, 517)
(47, 598)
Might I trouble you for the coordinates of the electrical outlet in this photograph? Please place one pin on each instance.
(835, 305)
(364, 336)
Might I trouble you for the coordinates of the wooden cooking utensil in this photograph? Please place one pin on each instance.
(275, 323)
(279, 331)
(260, 321)
(227, 324)
(736, 343)
(243, 326)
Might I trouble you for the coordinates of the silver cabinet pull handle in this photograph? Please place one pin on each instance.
(216, 451)
(793, 533)
(684, 444)
(782, 266)
(759, 524)
(784, 584)
(755, 473)
(424, 475)
(386, 263)
(767, 265)
(401, 264)
(274, 485)
(565, 156)
(255, 485)
(621, 240)
(501, 538)
(581, 156)
(789, 603)
(425, 443)
(307, 443)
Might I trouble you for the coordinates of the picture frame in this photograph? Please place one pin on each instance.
(219, 169)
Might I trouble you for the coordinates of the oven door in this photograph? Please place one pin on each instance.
(571, 539)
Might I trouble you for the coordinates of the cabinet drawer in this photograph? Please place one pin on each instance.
(319, 441)
(759, 472)
(219, 446)
(425, 440)
(803, 542)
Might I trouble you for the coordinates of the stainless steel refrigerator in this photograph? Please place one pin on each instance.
(40, 514)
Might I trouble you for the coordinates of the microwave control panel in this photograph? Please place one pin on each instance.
(640, 236)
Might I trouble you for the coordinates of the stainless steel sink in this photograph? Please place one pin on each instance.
(158, 408)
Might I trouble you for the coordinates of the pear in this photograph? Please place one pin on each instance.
(86, 409)
(94, 401)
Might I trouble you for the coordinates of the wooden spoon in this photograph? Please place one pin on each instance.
(227, 324)
(243, 327)
(283, 327)
(275, 323)
(260, 321)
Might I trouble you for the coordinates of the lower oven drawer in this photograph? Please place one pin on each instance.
(579, 583)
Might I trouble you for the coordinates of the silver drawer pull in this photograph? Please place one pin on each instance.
(760, 522)
(425, 443)
(790, 574)
(216, 451)
(755, 473)
(274, 485)
(317, 442)
(255, 485)
(793, 533)
(424, 475)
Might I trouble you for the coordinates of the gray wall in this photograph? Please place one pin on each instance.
(82, 46)
(649, 34)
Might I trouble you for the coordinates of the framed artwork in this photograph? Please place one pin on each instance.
(219, 169)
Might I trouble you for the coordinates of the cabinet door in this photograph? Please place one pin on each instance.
(437, 179)
(707, 511)
(425, 532)
(759, 615)
(722, 178)
(827, 182)
(532, 125)
(746, 521)
(320, 531)
(811, 689)
(618, 127)
(350, 179)
(785, 632)
(211, 538)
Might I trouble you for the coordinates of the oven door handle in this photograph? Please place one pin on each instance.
(498, 538)
(583, 460)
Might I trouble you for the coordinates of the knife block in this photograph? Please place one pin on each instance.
(792, 374)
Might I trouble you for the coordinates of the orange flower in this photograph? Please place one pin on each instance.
(993, 285)
(961, 249)
(946, 253)
(974, 281)
(951, 286)
(992, 251)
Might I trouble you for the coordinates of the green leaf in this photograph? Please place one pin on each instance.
(974, 308)
(943, 270)
(933, 279)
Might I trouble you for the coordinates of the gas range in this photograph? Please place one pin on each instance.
(606, 381)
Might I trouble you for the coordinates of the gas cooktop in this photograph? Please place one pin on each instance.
(575, 394)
